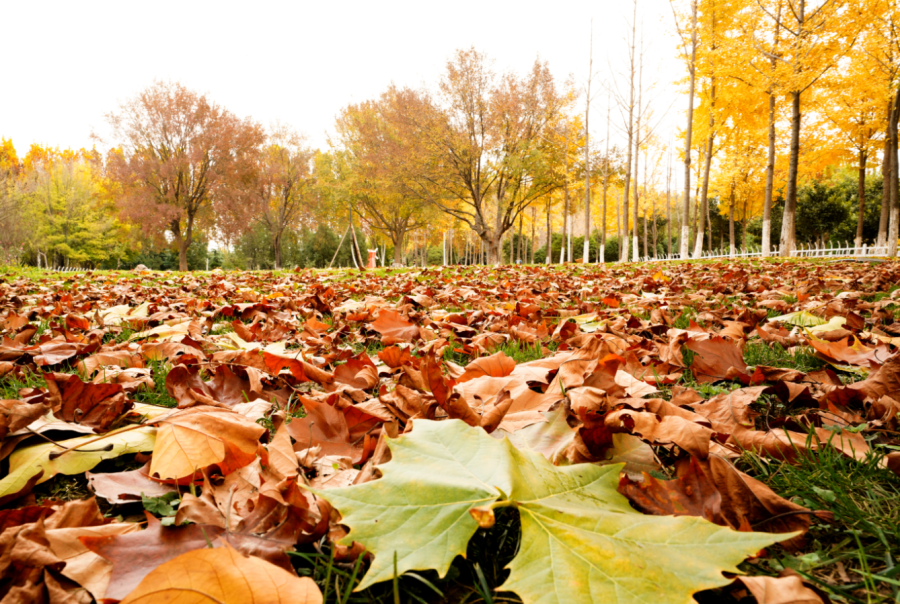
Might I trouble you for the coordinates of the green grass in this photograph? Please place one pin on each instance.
(371, 348)
(774, 355)
(521, 352)
(864, 539)
(450, 353)
(11, 384)
(118, 335)
(879, 296)
(159, 395)
(683, 321)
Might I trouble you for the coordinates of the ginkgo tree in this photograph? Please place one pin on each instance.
(817, 35)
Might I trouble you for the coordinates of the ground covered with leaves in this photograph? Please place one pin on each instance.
(718, 432)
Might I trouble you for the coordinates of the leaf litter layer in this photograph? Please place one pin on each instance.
(544, 434)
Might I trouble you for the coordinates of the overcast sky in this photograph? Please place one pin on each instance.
(68, 63)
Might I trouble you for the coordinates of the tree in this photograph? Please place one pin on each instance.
(283, 188)
(855, 108)
(12, 228)
(67, 208)
(484, 155)
(882, 45)
(689, 54)
(182, 160)
(628, 128)
(819, 33)
(377, 147)
(587, 169)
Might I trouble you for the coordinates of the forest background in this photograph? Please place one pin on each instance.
(789, 137)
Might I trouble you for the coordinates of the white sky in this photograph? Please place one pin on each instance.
(68, 63)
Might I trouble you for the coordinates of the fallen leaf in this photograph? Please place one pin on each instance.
(575, 512)
(394, 328)
(222, 575)
(196, 438)
(47, 461)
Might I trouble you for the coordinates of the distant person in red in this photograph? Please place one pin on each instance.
(372, 258)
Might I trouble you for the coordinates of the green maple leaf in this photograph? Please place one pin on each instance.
(581, 540)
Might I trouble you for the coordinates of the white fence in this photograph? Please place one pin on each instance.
(835, 250)
(807, 251)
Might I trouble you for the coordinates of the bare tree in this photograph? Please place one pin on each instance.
(605, 186)
(628, 129)
(690, 58)
(484, 154)
(587, 164)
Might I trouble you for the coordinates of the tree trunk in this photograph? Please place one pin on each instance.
(669, 206)
(744, 226)
(587, 166)
(276, 244)
(605, 189)
(602, 251)
(182, 241)
(788, 228)
(770, 182)
(894, 228)
(637, 154)
(549, 234)
(770, 160)
(861, 193)
(182, 255)
(686, 211)
(696, 212)
(494, 249)
(398, 248)
(635, 250)
(619, 226)
(646, 254)
(704, 199)
(625, 243)
(731, 223)
(519, 242)
(565, 247)
(533, 219)
(562, 244)
(885, 185)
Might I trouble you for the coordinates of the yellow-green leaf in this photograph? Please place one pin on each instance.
(801, 318)
(581, 540)
(27, 462)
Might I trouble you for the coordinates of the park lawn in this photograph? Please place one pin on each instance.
(700, 331)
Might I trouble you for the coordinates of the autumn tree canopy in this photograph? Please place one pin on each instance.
(182, 160)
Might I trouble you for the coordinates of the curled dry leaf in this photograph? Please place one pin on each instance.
(222, 575)
(94, 405)
(394, 328)
(787, 589)
(196, 438)
(497, 365)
